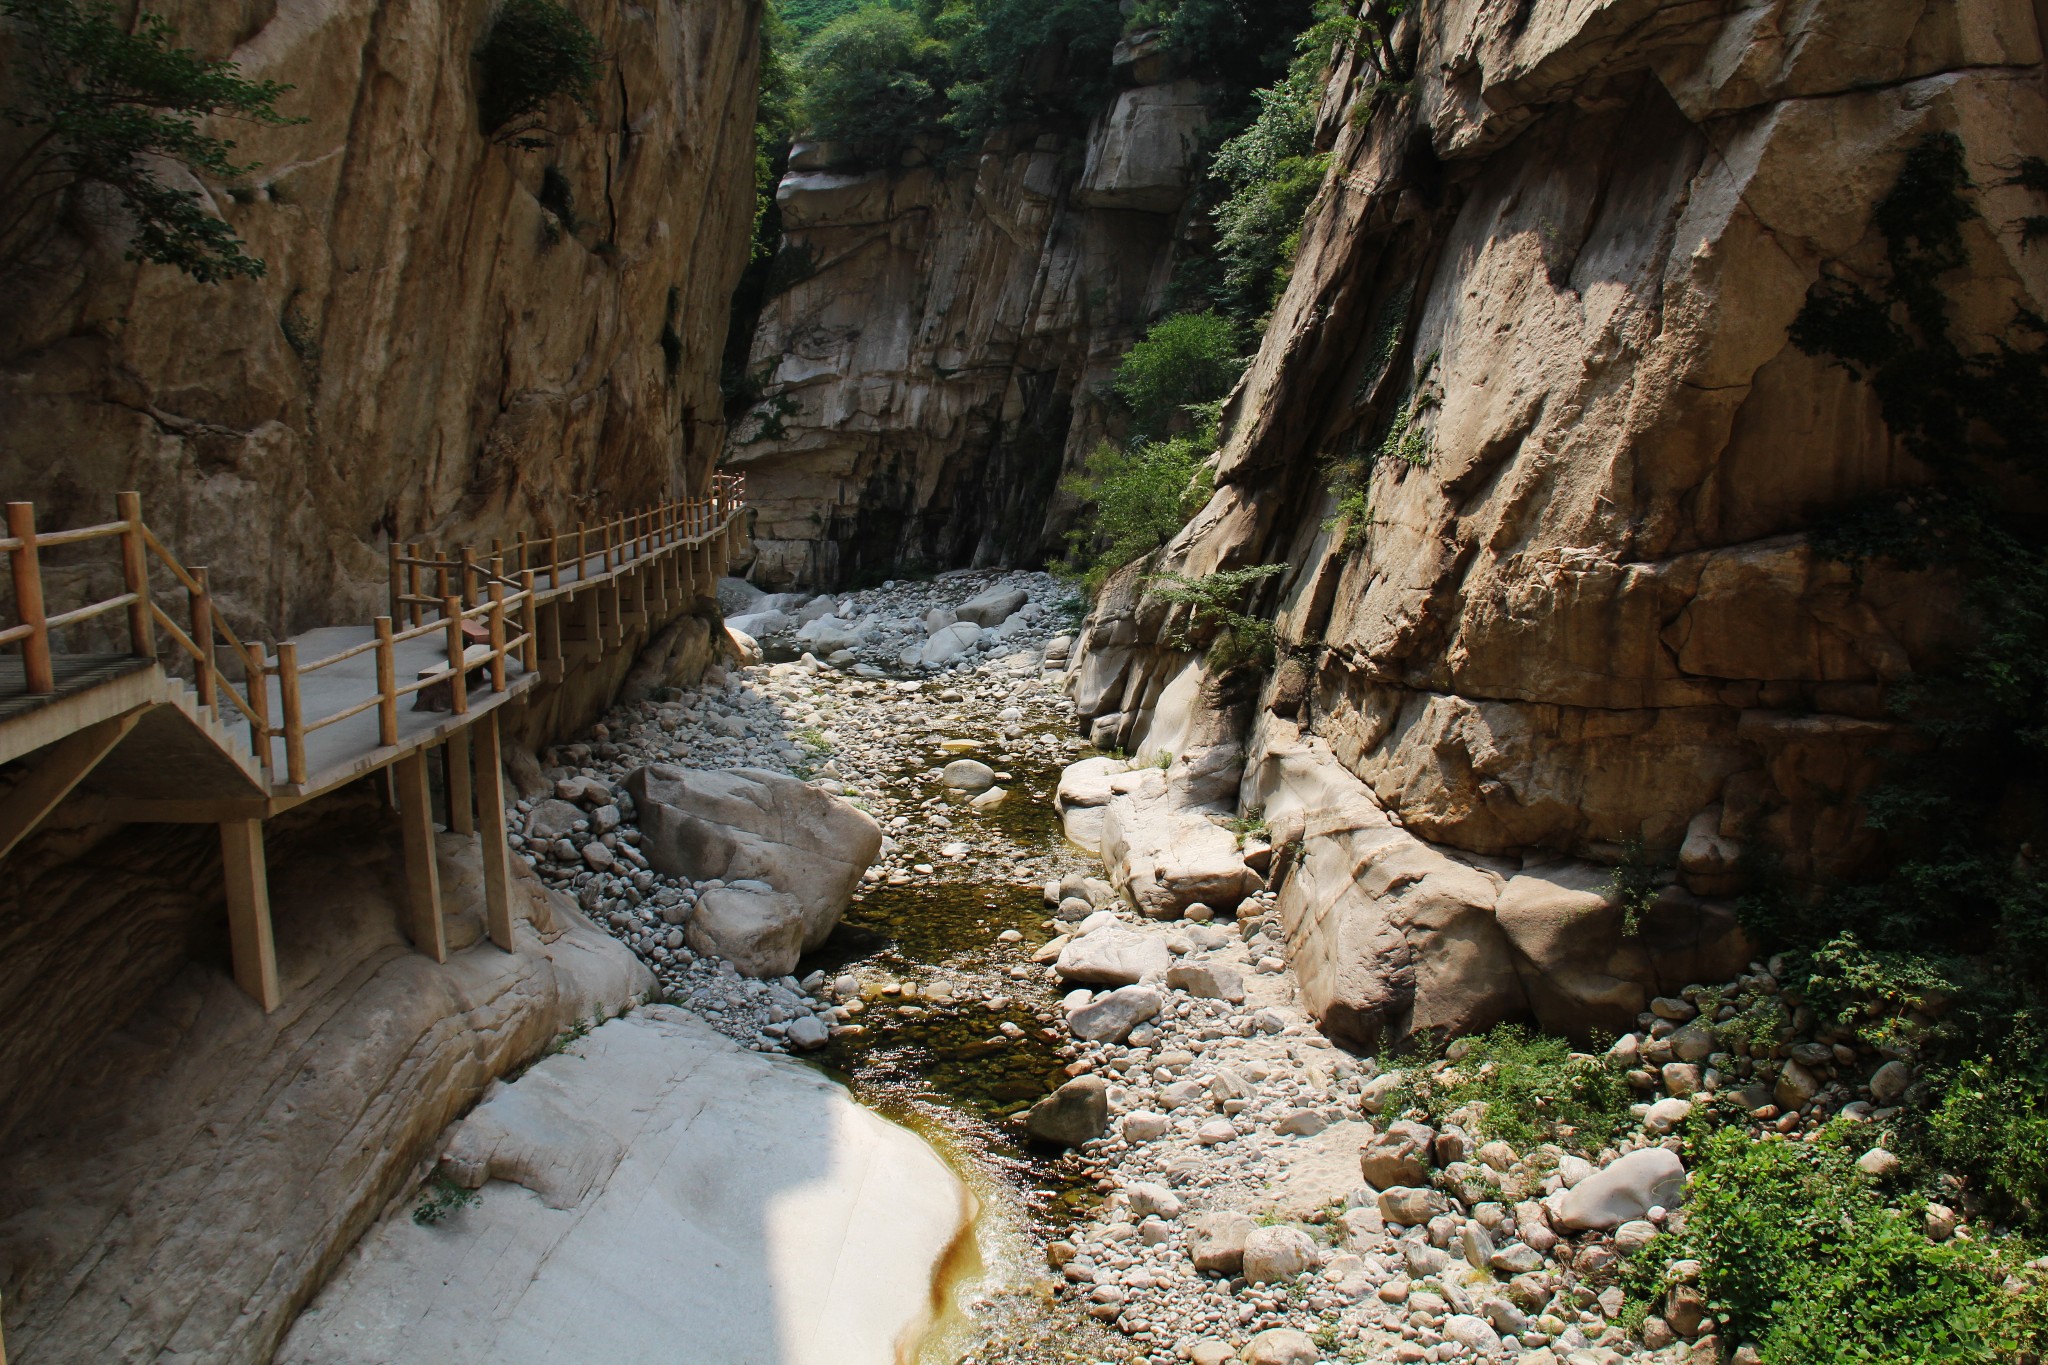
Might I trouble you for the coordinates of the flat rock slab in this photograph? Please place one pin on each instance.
(677, 1197)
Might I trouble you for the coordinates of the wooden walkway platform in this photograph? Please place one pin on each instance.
(193, 725)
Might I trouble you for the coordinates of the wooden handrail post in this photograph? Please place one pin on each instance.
(37, 670)
(582, 553)
(294, 721)
(259, 704)
(468, 590)
(412, 583)
(458, 681)
(202, 637)
(497, 636)
(135, 571)
(387, 685)
(529, 653)
(397, 581)
(519, 564)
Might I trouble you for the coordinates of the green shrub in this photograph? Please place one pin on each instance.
(1043, 62)
(1139, 497)
(874, 80)
(537, 51)
(1534, 1088)
(805, 17)
(1992, 1121)
(440, 1198)
(1215, 601)
(108, 105)
(1802, 1256)
(1182, 362)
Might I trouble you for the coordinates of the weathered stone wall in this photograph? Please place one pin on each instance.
(934, 355)
(419, 360)
(1587, 614)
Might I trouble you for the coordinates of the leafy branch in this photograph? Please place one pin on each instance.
(111, 107)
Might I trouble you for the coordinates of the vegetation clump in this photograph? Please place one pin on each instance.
(1182, 362)
(1139, 497)
(1237, 638)
(536, 52)
(1522, 1088)
(1801, 1253)
(441, 1198)
(111, 105)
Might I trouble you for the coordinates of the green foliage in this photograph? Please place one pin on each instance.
(1957, 909)
(1992, 1120)
(805, 17)
(875, 81)
(1271, 172)
(1802, 1256)
(1182, 362)
(1215, 603)
(1043, 62)
(108, 106)
(440, 1198)
(1634, 886)
(1140, 496)
(536, 52)
(1532, 1088)
(1241, 43)
(1406, 440)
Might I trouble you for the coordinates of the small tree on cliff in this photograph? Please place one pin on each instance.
(536, 53)
(107, 105)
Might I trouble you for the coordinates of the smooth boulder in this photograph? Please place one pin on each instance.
(760, 932)
(1164, 858)
(1113, 955)
(1075, 1113)
(1623, 1191)
(992, 607)
(1278, 1254)
(748, 824)
(948, 644)
(1216, 1241)
(1111, 1019)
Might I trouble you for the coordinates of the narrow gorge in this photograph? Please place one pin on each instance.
(749, 682)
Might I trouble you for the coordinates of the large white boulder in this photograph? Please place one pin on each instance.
(1114, 955)
(761, 932)
(1625, 1190)
(759, 623)
(750, 824)
(659, 1185)
(991, 608)
(1164, 857)
(949, 643)
(830, 634)
(1084, 791)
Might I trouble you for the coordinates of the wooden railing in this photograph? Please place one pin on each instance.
(500, 591)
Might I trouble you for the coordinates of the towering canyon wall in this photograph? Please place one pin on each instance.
(1582, 612)
(432, 354)
(439, 350)
(937, 337)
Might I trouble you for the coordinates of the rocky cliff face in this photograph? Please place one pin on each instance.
(1540, 314)
(937, 335)
(433, 353)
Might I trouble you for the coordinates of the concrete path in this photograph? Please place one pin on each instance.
(658, 1194)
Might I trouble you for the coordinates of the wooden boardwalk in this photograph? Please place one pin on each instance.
(191, 724)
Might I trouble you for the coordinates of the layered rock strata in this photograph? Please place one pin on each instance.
(1539, 319)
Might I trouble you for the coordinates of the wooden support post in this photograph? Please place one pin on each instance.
(552, 663)
(397, 576)
(248, 886)
(387, 685)
(455, 783)
(294, 722)
(614, 602)
(490, 817)
(39, 673)
(422, 875)
(458, 679)
(468, 588)
(529, 652)
(135, 572)
(63, 766)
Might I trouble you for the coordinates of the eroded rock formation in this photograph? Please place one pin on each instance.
(938, 336)
(439, 350)
(1556, 272)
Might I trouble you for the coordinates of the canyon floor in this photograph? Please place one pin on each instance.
(1163, 1158)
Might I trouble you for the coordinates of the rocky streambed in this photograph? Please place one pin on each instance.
(1171, 1162)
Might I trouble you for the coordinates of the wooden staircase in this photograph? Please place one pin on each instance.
(190, 724)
